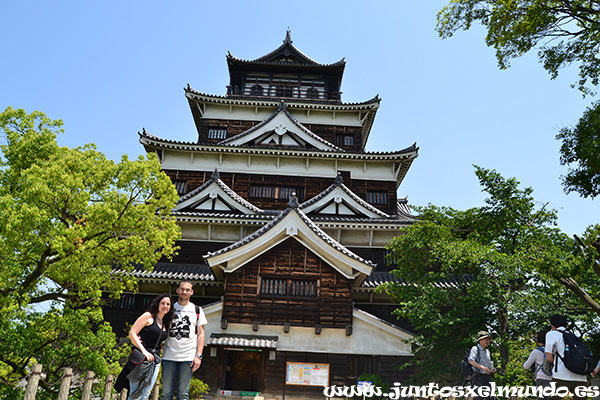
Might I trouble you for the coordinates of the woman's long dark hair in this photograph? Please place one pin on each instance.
(153, 309)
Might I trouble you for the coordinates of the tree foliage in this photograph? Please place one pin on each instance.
(480, 269)
(68, 217)
(580, 150)
(564, 32)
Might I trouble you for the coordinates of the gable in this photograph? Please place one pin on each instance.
(216, 196)
(290, 223)
(280, 129)
(339, 200)
(285, 285)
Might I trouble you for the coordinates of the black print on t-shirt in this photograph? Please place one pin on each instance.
(180, 328)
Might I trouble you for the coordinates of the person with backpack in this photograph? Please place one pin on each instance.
(481, 361)
(535, 362)
(182, 354)
(596, 370)
(561, 346)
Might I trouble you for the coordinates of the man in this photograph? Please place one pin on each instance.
(480, 360)
(182, 354)
(555, 350)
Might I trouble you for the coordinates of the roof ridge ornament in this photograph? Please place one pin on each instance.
(215, 175)
(293, 201)
(288, 36)
(339, 179)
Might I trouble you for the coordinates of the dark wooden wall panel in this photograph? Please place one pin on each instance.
(306, 187)
(332, 307)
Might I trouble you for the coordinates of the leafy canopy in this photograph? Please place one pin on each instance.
(464, 271)
(564, 32)
(580, 150)
(67, 218)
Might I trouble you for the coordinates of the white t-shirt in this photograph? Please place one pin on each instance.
(182, 341)
(556, 345)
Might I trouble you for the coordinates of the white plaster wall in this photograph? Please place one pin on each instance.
(370, 336)
(277, 165)
(251, 113)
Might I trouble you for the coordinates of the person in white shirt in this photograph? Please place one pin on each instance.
(182, 354)
(481, 361)
(555, 349)
(536, 360)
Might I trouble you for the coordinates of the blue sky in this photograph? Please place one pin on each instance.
(109, 69)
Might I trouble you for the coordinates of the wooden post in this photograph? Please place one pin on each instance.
(107, 388)
(32, 382)
(123, 394)
(155, 390)
(86, 391)
(65, 384)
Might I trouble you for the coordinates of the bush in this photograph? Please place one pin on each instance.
(197, 388)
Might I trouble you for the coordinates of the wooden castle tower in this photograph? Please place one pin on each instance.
(285, 217)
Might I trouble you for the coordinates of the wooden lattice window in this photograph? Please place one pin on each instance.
(344, 140)
(271, 192)
(181, 187)
(217, 133)
(288, 287)
(377, 197)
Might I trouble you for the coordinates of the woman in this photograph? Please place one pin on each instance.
(536, 361)
(147, 334)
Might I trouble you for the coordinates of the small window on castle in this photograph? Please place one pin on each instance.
(181, 187)
(271, 192)
(288, 287)
(262, 192)
(377, 197)
(344, 140)
(217, 133)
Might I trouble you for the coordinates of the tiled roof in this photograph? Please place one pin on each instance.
(167, 270)
(287, 49)
(247, 341)
(282, 109)
(274, 102)
(404, 209)
(234, 196)
(339, 183)
(175, 144)
(313, 227)
(379, 278)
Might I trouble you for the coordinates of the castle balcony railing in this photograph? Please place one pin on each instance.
(284, 92)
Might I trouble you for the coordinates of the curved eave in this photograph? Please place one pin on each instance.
(290, 223)
(308, 62)
(153, 143)
(190, 217)
(309, 104)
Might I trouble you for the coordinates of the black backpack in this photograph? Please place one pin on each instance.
(467, 369)
(578, 357)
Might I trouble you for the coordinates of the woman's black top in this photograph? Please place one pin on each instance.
(149, 335)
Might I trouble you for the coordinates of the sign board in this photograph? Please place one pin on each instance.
(307, 374)
(364, 384)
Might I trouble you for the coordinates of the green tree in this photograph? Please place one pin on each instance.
(67, 218)
(564, 32)
(466, 271)
(580, 150)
